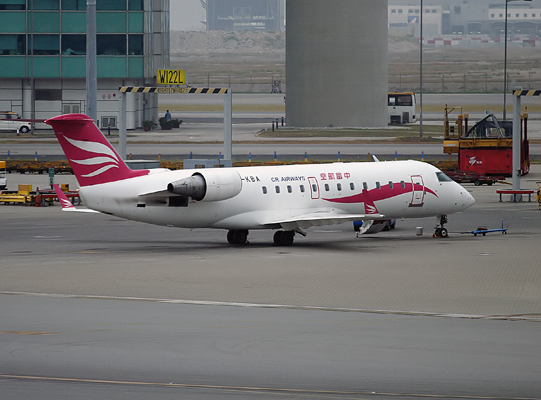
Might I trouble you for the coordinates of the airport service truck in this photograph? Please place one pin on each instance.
(3, 181)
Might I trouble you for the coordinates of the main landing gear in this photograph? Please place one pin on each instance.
(440, 230)
(281, 238)
(237, 236)
(284, 238)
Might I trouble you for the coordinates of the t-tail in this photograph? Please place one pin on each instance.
(92, 158)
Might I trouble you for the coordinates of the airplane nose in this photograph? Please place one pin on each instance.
(468, 199)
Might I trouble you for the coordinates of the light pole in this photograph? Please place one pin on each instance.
(421, 72)
(91, 63)
(505, 61)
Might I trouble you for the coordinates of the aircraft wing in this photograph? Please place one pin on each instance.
(320, 218)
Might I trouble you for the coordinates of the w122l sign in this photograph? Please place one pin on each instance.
(171, 77)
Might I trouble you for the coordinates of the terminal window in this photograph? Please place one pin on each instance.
(135, 45)
(119, 5)
(12, 4)
(76, 5)
(45, 4)
(11, 45)
(45, 45)
(73, 45)
(111, 45)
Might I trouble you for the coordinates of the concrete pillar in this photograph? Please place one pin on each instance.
(336, 63)
(27, 99)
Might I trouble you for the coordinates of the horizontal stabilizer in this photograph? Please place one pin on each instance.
(66, 203)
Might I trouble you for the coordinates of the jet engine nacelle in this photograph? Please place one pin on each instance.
(211, 185)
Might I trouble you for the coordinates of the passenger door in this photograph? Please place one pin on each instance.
(314, 188)
(418, 191)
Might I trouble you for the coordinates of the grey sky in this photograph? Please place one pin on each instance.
(186, 15)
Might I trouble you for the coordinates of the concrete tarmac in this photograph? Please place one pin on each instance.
(394, 271)
(93, 306)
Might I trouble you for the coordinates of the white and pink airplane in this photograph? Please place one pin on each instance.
(287, 199)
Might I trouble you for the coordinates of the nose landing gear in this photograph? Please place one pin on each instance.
(440, 231)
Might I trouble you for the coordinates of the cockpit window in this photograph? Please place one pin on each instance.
(442, 177)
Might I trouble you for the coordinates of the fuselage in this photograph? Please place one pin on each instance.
(397, 189)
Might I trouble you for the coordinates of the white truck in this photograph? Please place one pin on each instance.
(11, 121)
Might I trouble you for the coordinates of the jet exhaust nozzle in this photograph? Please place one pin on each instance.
(193, 186)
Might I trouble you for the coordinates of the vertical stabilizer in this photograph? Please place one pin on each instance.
(92, 158)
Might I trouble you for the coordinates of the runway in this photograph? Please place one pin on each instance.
(94, 306)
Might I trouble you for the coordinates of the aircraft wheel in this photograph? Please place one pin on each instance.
(284, 238)
(237, 236)
(278, 238)
(444, 232)
(241, 236)
(287, 238)
(231, 236)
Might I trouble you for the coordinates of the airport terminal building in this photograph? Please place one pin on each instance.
(43, 57)
(484, 19)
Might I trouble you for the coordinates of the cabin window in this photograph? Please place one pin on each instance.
(403, 184)
(302, 188)
(352, 186)
(314, 188)
(289, 190)
(264, 188)
(339, 186)
(277, 188)
(326, 187)
(365, 186)
(378, 186)
(390, 184)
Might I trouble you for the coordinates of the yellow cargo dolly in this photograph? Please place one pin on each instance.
(24, 196)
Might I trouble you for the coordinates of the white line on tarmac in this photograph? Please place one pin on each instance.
(513, 317)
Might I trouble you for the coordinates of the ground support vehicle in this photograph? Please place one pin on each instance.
(471, 177)
(485, 150)
(401, 108)
(11, 121)
(23, 196)
(3, 179)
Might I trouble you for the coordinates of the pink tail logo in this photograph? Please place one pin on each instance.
(108, 157)
(91, 157)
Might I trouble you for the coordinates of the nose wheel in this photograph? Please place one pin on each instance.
(440, 231)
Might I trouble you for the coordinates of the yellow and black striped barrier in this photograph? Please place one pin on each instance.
(171, 90)
(520, 92)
